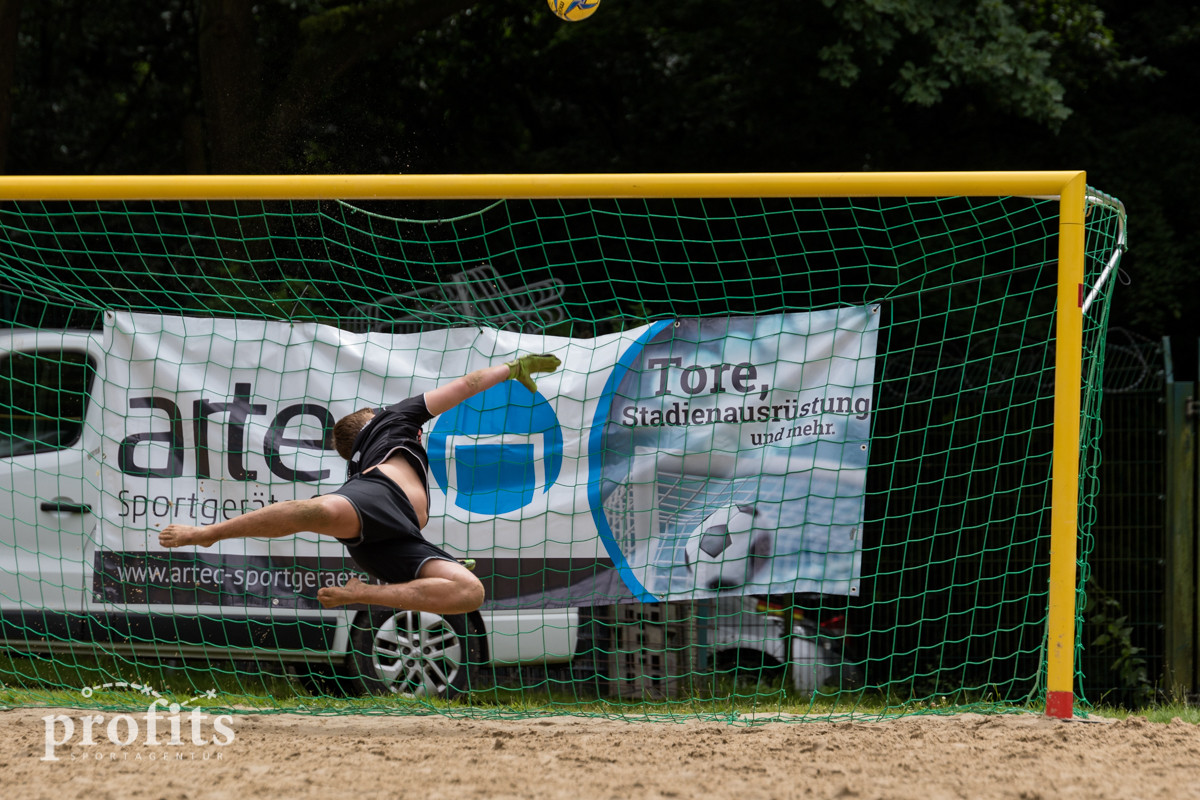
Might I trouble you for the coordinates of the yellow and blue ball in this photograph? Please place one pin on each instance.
(573, 10)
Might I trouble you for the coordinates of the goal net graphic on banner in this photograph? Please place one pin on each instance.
(818, 442)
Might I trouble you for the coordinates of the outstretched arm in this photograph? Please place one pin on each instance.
(444, 398)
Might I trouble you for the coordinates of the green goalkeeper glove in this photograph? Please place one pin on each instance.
(523, 368)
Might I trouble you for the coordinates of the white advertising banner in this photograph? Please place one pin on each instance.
(686, 457)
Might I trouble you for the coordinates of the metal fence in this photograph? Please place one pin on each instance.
(1124, 628)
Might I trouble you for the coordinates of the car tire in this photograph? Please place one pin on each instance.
(415, 654)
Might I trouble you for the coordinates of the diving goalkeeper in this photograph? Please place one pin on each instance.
(379, 512)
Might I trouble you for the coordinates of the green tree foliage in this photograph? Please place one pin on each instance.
(1138, 134)
(325, 85)
(170, 86)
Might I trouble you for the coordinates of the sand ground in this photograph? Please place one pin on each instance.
(291, 756)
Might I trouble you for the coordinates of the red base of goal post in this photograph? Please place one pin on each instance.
(1059, 704)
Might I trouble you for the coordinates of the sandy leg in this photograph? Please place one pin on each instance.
(185, 536)
(353, 592)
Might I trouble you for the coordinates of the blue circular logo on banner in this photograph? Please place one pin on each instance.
(491, 453)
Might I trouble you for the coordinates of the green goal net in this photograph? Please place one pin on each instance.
(797, 461)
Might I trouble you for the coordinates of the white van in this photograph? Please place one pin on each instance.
(61, 587)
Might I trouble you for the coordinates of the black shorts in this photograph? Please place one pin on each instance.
(390, 546)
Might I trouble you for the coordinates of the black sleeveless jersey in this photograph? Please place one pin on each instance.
(395, 428)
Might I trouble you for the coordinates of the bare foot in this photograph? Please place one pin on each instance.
(334, 596)
(185, 536)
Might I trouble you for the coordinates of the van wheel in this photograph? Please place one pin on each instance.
(411, 653)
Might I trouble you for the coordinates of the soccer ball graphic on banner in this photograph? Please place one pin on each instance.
(727, 551)
(573, 10)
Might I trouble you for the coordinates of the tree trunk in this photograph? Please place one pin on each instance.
(231, 86)
(250, 129)
(325, 58)
(10, 18)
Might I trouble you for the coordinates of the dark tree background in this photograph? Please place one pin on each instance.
(227, 86)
